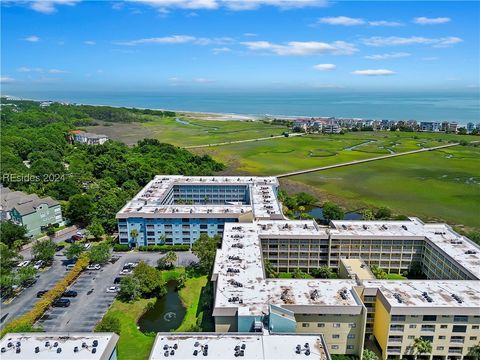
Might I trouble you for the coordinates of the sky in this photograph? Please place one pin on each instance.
(177, 45)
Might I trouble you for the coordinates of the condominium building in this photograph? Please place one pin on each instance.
(248, 346)
(178, 209)
(63, 345)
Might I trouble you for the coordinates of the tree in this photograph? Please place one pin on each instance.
(24, 275)
(205, 249)
(167, 261)
(269, 270)
(8, 258)
(100, 253)
(181, 279)
(323, 272)
(299, 274)
(150, 280)
(96, 230)
(50, 231)
(369, 355)
(44, 250)
(474, 352)
(368, 214)
(109, 323)
(9, 232)
(134, 234)
(305, 199)
(422, 346)
(383, 213)
(79, 209)
(74, 250)
(129, 289)
(378, 272)
(7, 280)
(332, 211)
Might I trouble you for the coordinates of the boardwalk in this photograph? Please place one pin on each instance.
(300, 172)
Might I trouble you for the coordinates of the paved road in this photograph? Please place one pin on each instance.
(25, 301)
(27, 253)
(86, 310)
(243, 141)
(306, 171)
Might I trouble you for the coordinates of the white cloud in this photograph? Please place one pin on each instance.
(25, 69)
(387, 56)
(385, 23)
(235, 5)
(373, 72)
(49, 6)
(325, 67)
(178, 39)
(57, 71)
(203, 80)
(89, 42)
(341, 20)
(32, 38)
(302, 48)
(413, 40)
(431, 21)
(217, 51)
(6, 79)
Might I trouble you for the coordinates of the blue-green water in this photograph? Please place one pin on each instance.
(462, 107)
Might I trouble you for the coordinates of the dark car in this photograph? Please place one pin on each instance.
(61, 303)
(59, 247)
(117, 280)
(70, 293)
(70, 241)
(41, 293)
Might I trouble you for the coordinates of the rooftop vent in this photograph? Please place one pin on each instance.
(314, 294)
(427, 297)
(457, 298)
(398, 297)
(404, 227)
(470, 252)
(343, 294)
(365, 227)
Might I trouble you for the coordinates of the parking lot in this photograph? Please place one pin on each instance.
(92, 300)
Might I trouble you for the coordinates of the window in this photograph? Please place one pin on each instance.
(428, 327)
(336, 325)
(350, 347)
(440, 348)
(460, 318)
(473, 338)
(411, 337)
(305, 325)
(351, 336)
(412, 326)
(441, 337)
(398, 318)
(335, 336)
(429, 317)
(475, 327)
(334, 347)
(460, 328)
(352, 325)
(320, 325)
(443, 326)
(394, 327)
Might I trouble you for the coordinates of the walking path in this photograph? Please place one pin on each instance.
(306, 171)
(242, 141)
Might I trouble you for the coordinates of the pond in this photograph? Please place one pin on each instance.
(317, 213)
(166, 314)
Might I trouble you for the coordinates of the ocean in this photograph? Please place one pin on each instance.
(462, 107)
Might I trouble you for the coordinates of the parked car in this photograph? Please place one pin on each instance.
(117, 280)
(24, 263)
(126, 272)
(61, 303)
(114, 259)
(70, 293)
(38, 264)
(41, 293)
(94, 267)
(89, 291)
(112, 289)
(77, 237)
(70, 266)
(59, 247)
(87, 246)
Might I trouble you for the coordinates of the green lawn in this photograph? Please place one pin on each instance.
(395, 277)
(133, 344)
(190, 296)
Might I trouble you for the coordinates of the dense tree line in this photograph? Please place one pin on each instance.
(93, 182)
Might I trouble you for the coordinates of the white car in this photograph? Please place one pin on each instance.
(24, 263)
(87, 246)
(38, 264)
(126, 272)
(94, 267)
(112, 289)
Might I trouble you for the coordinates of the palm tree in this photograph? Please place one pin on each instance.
(474, 352)
(422, 346)
(170, 257)
(134, 234)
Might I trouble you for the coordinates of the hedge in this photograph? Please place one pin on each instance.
(29, 318)
(121, 247)
(164, 248)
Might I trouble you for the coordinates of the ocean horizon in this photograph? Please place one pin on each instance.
(461, 107)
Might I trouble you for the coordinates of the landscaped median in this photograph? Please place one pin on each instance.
(27, 320)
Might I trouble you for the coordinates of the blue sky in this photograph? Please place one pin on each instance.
(179, 45)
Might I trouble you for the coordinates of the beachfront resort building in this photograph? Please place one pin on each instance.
(62, 345)
(351, 312)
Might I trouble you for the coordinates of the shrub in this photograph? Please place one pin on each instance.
(109, 323)
(29, 318)
(164, 248)
(121, 247)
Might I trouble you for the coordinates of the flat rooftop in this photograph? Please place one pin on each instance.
(359, 268)
(150, 201)
(410, 293)
(225, 346)
(49, 344)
